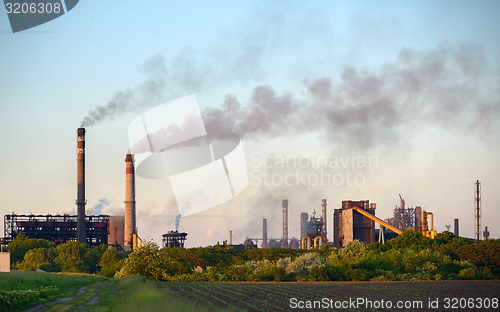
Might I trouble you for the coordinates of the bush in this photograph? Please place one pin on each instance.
(153, 263)
(302, 264)
(327, 272)
(354, 251)
(357, 275)
(19, 298)
(468, 273)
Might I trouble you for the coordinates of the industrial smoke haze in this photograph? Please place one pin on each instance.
(177, 222)
(103, 202)
(441, 87)
(150, 91)
(446, 87)
(98, 208)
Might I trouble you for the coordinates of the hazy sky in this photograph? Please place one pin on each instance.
(415, 85)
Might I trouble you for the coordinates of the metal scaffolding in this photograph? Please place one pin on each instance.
(56, 228)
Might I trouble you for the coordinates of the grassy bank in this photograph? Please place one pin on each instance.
(21, 290)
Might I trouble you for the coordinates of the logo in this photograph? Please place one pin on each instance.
(205, 169)
(28, 14)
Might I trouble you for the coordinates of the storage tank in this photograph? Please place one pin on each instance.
(273, 244)
(294, 244)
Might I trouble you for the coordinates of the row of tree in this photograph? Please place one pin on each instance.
(410, 256)
(29, 254)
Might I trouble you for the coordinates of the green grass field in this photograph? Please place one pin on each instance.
(22, 290)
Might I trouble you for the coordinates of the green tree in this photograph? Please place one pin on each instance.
(20, 245)
(410, 239)
(444, 237)
(92, 256)
(111, 262)
(378, 247)
(152, 263)
(69, 257)
(38, 258)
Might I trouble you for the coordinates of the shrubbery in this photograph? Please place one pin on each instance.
(18, 298)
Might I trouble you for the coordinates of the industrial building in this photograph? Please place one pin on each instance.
(56, 228)
(406, 217)
(313, 231)
(174, 239)
(355, 220)
(116, 231)
(284, 242)
(350, 224)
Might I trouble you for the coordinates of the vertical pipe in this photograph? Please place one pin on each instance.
(230, 237)
(323, 214)
(478, 210)
(432, 221)
(264, 233)
(81, 201)
(130, 224)
(285, 223)
(424, 222)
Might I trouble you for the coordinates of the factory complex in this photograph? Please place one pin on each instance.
(354, 220)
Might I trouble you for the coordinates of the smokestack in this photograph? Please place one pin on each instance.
(456, 228)
(130, 227)
(264, 233)
(80, 200)
(230, 237)
(285, 223)
(323, 214)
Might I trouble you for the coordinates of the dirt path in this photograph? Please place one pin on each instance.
(79, 292)
(41, 306)
(92, 301)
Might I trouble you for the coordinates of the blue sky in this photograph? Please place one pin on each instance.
(431, 153)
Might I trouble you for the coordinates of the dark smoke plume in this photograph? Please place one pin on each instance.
(152, 90)
(237, 55)
(446, 87)
(443, 87)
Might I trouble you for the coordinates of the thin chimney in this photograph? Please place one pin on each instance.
(130, 225)
(81, 201)
(323, 214)
(264, 233)
(285, 223)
